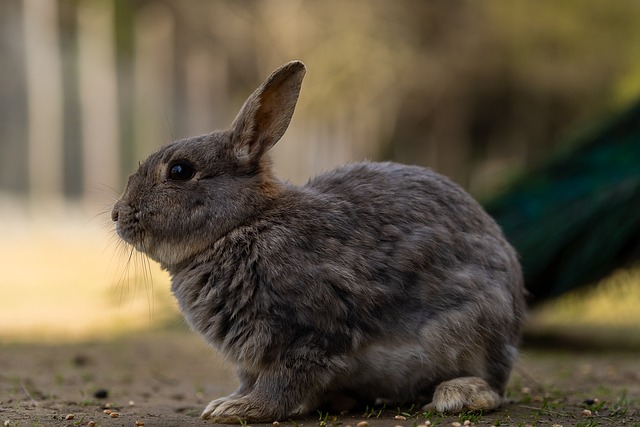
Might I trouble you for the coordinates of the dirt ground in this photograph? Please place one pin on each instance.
(166, 378)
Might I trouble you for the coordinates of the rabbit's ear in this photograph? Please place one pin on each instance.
(266, 114)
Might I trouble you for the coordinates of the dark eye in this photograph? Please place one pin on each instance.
(181, 172)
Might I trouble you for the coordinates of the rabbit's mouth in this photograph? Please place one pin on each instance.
(132, 236)
(128, 228)
(140, 242)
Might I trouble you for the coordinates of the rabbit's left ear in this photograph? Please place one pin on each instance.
(266, 114)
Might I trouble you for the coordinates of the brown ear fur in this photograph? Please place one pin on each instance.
(266, 114)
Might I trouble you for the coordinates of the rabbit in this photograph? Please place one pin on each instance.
(373, 283)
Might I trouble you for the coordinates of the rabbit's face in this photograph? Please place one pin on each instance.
(188, 194)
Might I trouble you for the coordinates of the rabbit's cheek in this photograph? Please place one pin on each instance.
(166, 241)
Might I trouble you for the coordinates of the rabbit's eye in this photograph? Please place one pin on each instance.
(181, 172)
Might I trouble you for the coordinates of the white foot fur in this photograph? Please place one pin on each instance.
(236, 410)
(464, 394)
(213, 405)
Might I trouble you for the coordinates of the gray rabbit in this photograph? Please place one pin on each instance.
(376, 282)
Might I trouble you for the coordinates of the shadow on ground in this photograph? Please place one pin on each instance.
(166, 378)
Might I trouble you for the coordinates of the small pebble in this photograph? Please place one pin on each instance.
(107, 411)
(400, 418)
(466, 423)
(427, 423)
(139, 423)
(276, 423)
(107, 405)
(456, 424)
(69, 417)
(363, 424)
(6, 423)
(91, 424)
(114, 415)
(586, 413)
(101, 393)
(132, 403)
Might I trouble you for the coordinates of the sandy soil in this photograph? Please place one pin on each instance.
(166, 378)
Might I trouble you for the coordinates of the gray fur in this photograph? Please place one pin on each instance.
(376, 281)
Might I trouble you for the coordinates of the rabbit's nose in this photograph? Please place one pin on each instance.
(114, 214)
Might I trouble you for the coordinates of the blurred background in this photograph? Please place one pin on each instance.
(493, 94)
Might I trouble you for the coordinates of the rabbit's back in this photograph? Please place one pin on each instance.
(408, 225)
(401, 193)
(409, 217)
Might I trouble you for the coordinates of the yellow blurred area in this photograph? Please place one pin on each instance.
(64, 276)
(613, 302)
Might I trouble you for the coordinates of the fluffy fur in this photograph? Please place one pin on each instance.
(376, 282)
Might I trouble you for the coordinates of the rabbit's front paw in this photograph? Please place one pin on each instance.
(213, 405)
(232, 410)
(464, 394)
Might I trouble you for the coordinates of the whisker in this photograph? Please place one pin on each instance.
(148, 284)
(124, 279)
(135, 266)
(141, 272)
(116, 254)
(152, 304)
(104, 215)
(109, 191)
(169, 130)
(135, 256)
(127, 278)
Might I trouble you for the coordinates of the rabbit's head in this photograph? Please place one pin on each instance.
(193, 191)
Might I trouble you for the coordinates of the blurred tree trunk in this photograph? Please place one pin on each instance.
(433, 136)
(13, 108)
(153, 78)
(44, 98)
(206, 100)
(98, 95)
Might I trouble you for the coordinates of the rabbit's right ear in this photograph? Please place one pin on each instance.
(266, 114)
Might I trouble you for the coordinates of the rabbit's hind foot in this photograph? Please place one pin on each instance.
(464, 394)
